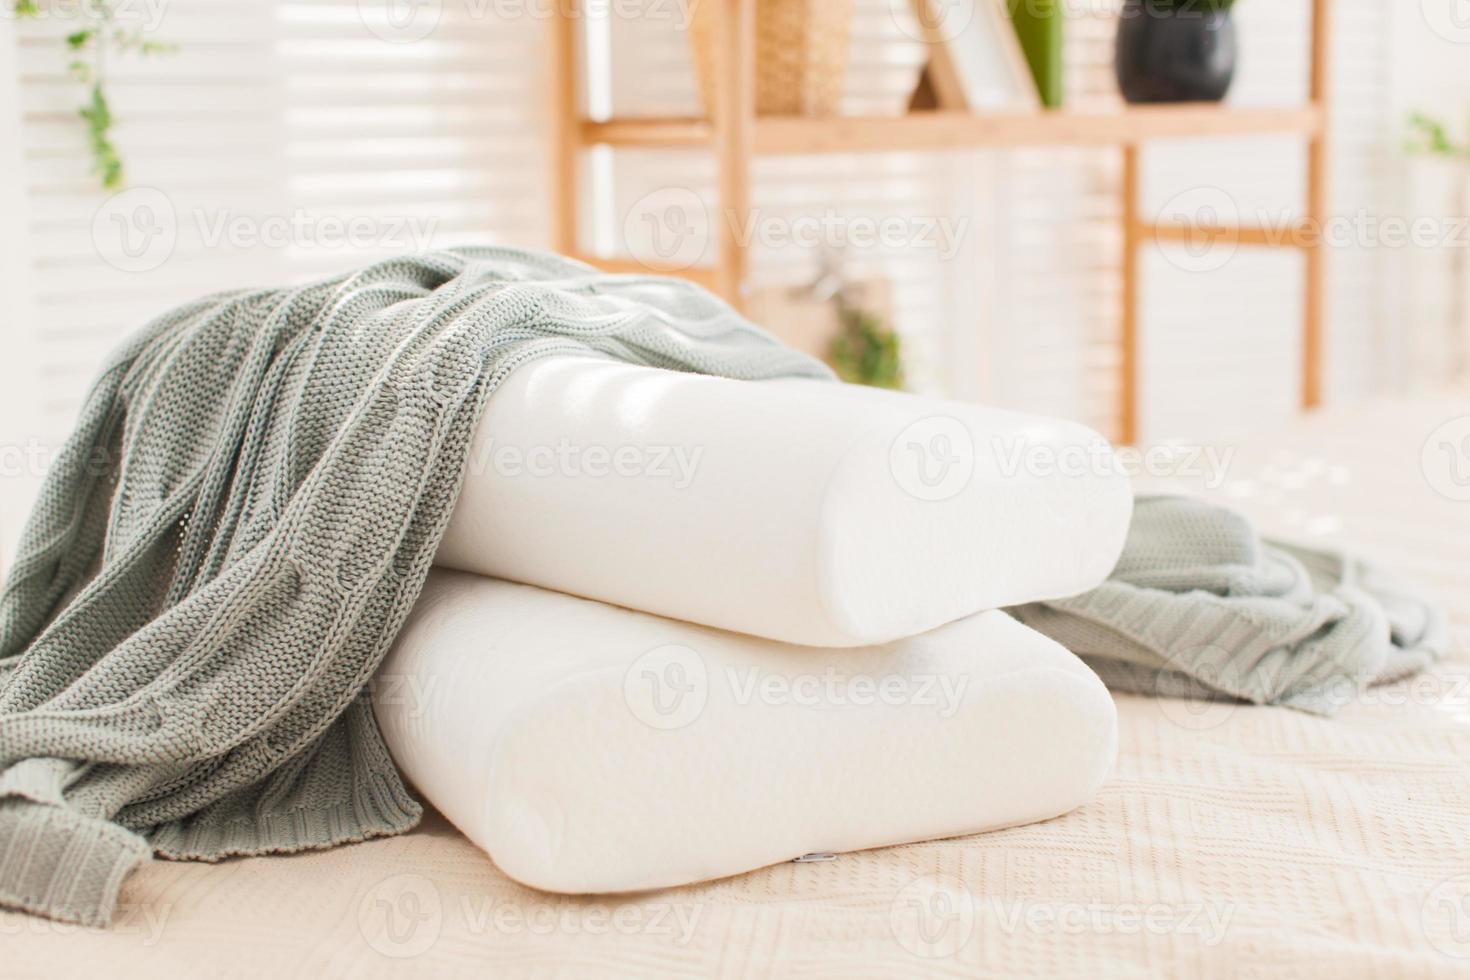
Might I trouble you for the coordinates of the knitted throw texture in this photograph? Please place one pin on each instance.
(1201, 606)
(231, 538)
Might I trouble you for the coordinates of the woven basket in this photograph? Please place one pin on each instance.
(800, 54)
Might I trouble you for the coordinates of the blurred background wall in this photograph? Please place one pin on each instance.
(286, 139)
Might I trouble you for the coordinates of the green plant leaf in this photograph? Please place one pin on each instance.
(865, 351)
(106, 162)
(103, 35)
(1433, 137)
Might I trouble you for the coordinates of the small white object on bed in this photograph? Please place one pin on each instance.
(593, 749)
(813, 513)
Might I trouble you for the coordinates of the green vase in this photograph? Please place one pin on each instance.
(1039, 26)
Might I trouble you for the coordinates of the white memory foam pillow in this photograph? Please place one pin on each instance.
(588, 748)
(815, 513)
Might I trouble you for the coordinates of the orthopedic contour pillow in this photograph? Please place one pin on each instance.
(589, 748)
(803, 511)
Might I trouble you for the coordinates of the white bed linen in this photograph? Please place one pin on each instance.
(1247, 842)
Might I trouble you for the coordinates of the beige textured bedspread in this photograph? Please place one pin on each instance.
(1230, 842)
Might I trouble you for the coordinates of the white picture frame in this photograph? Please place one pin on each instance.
(975, 59)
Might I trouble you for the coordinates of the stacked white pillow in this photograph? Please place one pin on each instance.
(590, 748)
(845, 686)
(804, 511)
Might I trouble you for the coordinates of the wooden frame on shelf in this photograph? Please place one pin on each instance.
(959, 59)
(736, 135)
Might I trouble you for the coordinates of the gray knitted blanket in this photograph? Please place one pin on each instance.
(230, 540)
(1200, 606)
(234, 533)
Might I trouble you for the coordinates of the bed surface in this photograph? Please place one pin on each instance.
(1230, 841)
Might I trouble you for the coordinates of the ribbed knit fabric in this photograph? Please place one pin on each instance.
(230, 539)
(1200, 606)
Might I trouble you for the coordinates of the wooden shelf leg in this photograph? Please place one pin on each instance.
(1128, 340)
(1315, 301)
(565, 125)
(734, 119)
(1318, 205)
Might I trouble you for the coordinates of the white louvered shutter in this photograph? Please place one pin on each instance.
(302, 111)
(282, 141)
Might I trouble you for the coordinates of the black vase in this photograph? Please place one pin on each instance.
(1174, 51)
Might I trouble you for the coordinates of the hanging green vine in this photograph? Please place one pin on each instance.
(86, 51)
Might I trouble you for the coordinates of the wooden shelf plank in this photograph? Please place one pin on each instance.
(1296, 237)
(939, 130)
(620, 265)
(661, 133)
(955, 130)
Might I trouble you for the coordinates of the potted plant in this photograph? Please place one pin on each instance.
(1437, 274)
(1175, 50)
(866, 351)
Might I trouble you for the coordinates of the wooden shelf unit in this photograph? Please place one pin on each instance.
(736, 135)
(951, 130)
